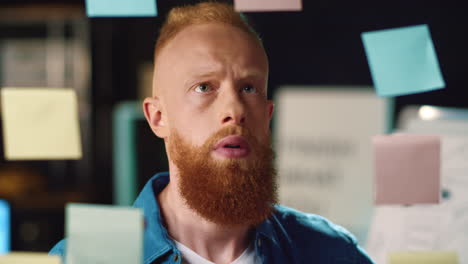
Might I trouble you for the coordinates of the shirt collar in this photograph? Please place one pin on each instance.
(267, 229)
(156, 239)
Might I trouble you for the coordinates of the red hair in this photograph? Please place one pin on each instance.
(202, 13)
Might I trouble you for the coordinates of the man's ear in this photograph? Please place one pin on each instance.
(270, 108)
(154, 116)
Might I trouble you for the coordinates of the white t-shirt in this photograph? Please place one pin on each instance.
(190, 257)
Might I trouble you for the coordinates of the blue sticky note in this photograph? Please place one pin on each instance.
(4, 227)
(402, 60)
(121, 8)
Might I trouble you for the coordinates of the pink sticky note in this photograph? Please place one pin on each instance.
(407, 169)
(267, 5)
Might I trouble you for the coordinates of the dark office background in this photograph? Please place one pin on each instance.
(318, 46)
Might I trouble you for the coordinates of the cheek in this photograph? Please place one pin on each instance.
(187, 110)
(192, 126)
(191, 116)
(260, 115)
(199, 102)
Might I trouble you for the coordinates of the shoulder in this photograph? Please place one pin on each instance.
(314, 234)
(298, 222)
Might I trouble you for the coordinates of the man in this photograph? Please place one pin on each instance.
(218, 204)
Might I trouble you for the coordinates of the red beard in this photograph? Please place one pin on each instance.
(231, 191)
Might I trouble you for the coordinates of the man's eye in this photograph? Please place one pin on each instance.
(203, 88)
(249, 89)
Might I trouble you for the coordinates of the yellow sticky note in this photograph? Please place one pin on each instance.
(423, 257)
(40, 123)
(28, 258)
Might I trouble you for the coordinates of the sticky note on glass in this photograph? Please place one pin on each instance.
(423, 257)
(40, 124)
(267, 5)
(4, 227)
(407, 169)
(29, 258)
(402, 60)
(104, 234)
(121, 8)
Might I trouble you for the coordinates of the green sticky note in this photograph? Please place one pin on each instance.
(402, 60)
(423, 257)
(104, 234)
(121, 8)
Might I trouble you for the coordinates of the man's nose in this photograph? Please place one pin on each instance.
(232, 108)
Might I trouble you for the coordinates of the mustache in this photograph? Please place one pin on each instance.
(232, 130)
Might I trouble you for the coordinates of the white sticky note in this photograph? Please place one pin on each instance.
(104, 234)
(28, 258)
(324, 163)
(40, 123)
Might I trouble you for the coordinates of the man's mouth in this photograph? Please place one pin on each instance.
(232, 147)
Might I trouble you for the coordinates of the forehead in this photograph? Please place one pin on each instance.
(213, 45)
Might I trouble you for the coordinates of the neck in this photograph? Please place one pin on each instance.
(217, 243)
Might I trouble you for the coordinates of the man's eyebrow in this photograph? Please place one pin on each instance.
(252, 73)
(207, 72)
(197, 75)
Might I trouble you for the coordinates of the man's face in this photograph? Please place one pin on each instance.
(211, 76)
(210, 83)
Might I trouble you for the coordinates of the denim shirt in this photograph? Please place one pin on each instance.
(287, 236)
